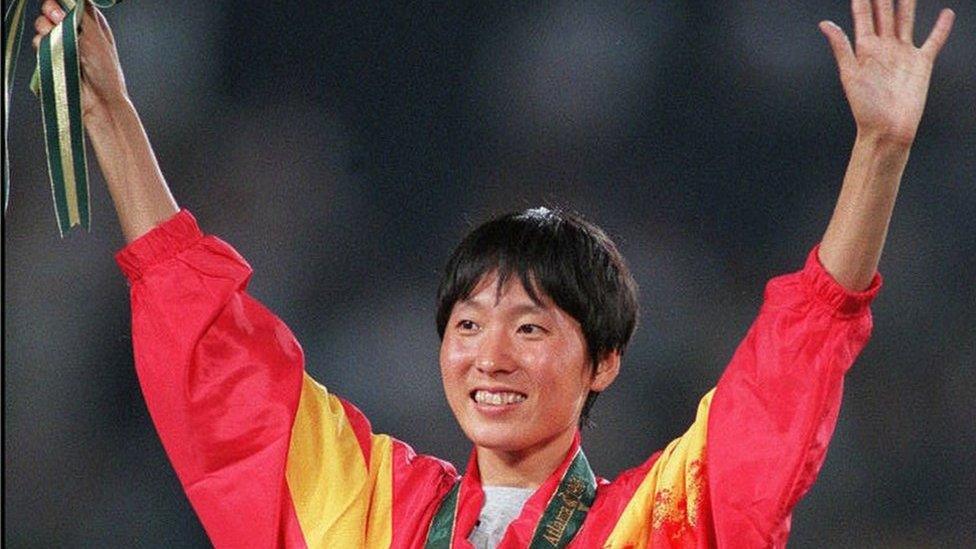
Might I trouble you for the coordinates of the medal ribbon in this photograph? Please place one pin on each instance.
(563, 517)
(442, 527)
(57, 82)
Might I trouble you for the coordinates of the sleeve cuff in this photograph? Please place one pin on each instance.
(825, 289)
(161, 243)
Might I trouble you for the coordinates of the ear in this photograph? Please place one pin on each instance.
(606, 371)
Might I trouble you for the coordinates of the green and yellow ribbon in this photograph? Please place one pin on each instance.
(57, 82)
(562, 519)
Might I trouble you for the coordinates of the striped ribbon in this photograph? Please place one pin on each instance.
(57, 82)
(562, 519)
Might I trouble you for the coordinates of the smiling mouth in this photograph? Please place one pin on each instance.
(500, 398)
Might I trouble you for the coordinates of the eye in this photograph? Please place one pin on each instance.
(467, 326)
(532, 330)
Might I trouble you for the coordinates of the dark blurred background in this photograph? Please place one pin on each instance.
(345, 149)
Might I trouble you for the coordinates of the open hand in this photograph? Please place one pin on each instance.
(102, 82)
(885, 77)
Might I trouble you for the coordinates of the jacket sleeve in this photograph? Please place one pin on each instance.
(760, 437)
(266, 456)
(776, 405)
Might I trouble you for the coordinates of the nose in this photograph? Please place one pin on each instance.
(494, 354)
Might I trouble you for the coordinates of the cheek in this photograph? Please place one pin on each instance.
(569, 359)
(553, 368)
(451, 377)
(567, 372)
(453, 358)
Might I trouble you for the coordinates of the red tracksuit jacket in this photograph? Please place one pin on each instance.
(269, 458)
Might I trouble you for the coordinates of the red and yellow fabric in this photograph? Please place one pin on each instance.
(270, 458)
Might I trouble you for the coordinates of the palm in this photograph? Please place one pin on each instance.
(887, 88)
(887, 79)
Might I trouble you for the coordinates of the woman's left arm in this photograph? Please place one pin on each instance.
(886, 80)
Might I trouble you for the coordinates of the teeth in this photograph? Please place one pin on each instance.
(498, 399)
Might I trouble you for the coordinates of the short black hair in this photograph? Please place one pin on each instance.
(569, 259)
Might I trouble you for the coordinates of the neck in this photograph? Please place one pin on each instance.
(526, 468)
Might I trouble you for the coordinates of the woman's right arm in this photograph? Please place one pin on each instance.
(222, 379)
(266, 456)
(139, 192)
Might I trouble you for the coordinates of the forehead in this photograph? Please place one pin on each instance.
(491, 291)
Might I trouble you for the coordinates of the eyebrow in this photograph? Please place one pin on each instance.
(518, 309)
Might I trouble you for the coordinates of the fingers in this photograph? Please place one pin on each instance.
(839, 43)
(52, 10)
(879, 18)
(863, 19)
(51, 15)
(43, 26)
(940, 33)
(905, 21)
(884, 17)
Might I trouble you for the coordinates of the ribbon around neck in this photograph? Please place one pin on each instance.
(57, 83)
(562, 519)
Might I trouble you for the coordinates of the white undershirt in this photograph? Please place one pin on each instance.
(502, 505)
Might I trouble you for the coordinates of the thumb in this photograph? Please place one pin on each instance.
(839, 43)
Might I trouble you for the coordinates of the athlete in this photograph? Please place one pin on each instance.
(535, 310)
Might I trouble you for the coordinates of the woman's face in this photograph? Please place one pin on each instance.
(516, 373)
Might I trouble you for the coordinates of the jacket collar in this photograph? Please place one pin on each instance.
(520, 532)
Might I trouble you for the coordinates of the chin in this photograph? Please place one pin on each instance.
(505, 438)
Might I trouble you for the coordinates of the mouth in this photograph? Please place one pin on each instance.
(497, 398)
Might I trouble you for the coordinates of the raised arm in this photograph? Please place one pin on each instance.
(886, 80)
(141, 196)
(759, 440)
(266, 456)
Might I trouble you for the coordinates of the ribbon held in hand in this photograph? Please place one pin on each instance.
(57, 82)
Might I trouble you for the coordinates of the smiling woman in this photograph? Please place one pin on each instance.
(534, 312)
(555, 256)
(516, 376)
(224, 381)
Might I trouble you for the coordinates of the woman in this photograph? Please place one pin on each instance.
(535, 311)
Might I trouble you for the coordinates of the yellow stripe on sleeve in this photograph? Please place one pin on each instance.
(379, 529)
(327, 477)
(671, 494)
